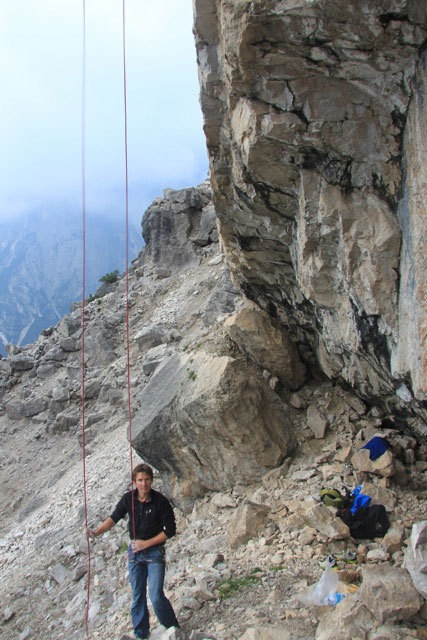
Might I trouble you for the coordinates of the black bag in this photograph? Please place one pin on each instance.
(367, 523)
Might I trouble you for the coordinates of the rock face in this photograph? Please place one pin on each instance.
(316, 126)
(173, 225)
(257, 337)
(411, 353)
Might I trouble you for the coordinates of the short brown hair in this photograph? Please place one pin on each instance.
(142, 468)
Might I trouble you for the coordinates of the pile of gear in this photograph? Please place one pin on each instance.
(365, 520)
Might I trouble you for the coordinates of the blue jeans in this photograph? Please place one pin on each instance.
(149, 564)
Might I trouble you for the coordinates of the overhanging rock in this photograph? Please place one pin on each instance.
(256, 336)
(314, 115)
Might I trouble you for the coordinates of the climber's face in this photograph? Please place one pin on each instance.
(143, 484)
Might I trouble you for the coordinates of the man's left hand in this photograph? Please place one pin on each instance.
(138, 545)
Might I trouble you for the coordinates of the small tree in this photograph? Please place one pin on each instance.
(110, 277)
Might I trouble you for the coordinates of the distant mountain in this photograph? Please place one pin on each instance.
(41, 268)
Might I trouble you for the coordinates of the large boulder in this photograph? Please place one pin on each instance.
(388, 593)
(348, 620)
(383, 465)
(385, 596)
(211, 422)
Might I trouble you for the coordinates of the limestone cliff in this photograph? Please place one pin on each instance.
(315, 119)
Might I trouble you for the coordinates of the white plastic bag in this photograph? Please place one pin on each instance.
(323, 592)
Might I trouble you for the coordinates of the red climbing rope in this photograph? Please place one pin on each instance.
(83, 417)
(128, 367)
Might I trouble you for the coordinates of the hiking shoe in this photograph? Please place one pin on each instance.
(328, 562)
(349, 556)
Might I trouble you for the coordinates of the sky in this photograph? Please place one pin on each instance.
(41, 114)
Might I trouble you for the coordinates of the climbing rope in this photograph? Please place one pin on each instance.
(128, 367)
(83, 417)
(83, 327)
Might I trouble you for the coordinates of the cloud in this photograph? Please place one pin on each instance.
(41, 47)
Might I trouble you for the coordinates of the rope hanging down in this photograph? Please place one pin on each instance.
(83, 417)
(128, 368)
(129, 403)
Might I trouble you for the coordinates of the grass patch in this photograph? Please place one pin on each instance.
(229, 587)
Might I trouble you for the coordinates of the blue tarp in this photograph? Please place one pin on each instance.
(377, 446)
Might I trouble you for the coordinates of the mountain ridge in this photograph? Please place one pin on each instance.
(41, 268)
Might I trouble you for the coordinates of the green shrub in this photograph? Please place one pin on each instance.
(109, 278)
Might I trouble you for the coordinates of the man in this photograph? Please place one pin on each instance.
(151, 523)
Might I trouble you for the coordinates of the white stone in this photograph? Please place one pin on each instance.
(266, 633)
